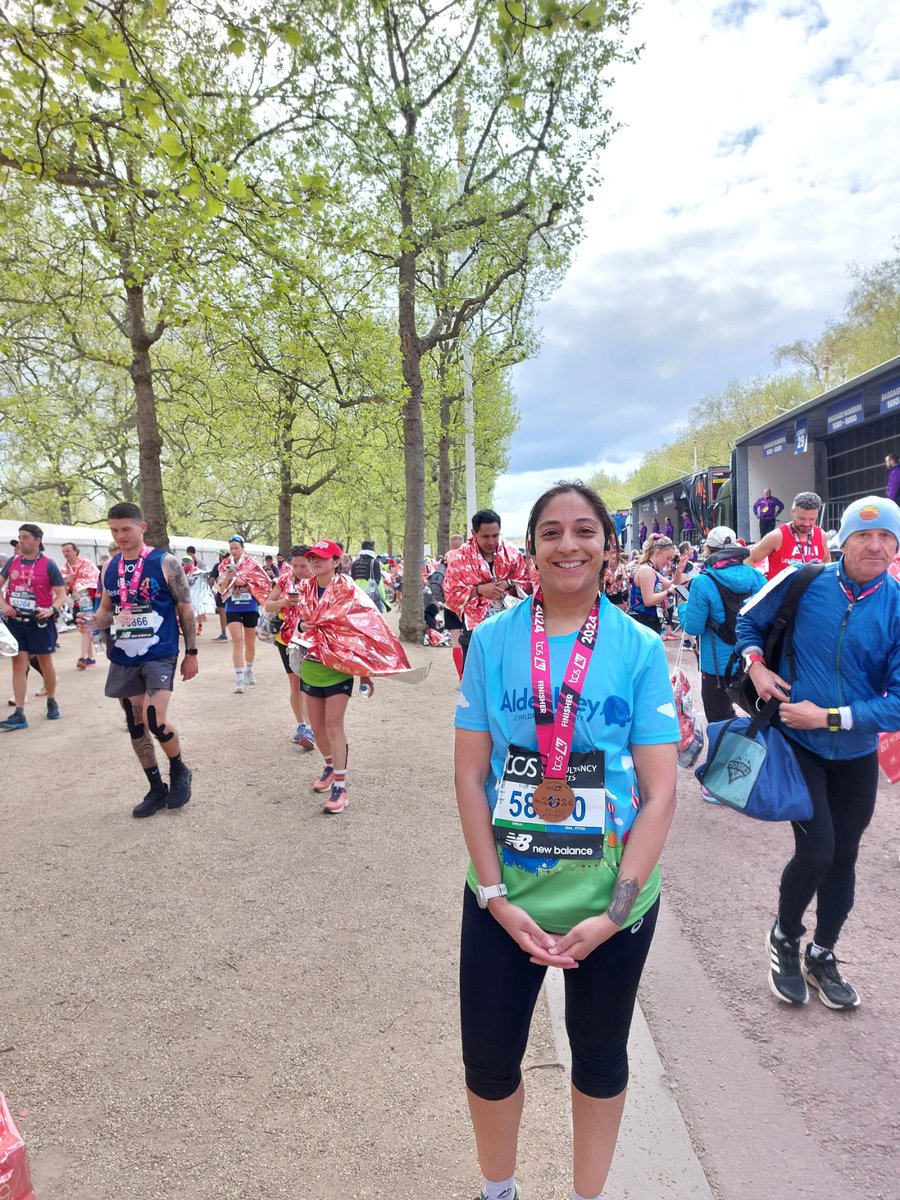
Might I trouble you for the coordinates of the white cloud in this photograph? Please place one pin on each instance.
(515, 494)
(758, 160)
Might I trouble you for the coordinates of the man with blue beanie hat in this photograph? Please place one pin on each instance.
(843, 691)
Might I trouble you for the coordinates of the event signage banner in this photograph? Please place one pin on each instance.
(890, 396)
(845, 413)
(776, 443)
(801, 435)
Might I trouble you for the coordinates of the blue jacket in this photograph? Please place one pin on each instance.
(845, 654)
(705, 602)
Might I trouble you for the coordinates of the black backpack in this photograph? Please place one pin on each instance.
(436, 583)
(734, 602)
(736, 679)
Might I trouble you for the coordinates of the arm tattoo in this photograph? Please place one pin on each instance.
(188, 625)
(624, 895)
(177, 580)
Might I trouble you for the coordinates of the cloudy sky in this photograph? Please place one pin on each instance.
(758, 159)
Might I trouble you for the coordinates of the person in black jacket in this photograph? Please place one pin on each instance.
(367, 567)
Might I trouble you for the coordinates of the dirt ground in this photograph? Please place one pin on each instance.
(249, 998)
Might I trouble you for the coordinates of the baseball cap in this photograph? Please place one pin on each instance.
(871, 512)
(324, 549)
(222, 552)
(719, 537)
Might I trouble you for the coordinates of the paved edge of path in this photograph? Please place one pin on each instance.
(654, 1157)
(749, 1139)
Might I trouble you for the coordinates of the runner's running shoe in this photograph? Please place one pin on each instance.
(81, 664)
(14, 721)
(179, 788)
(249, 677)
(53, 713)
(821, 972)
(517, 1196)
(305, 738)
(323, 783)
(337, 801)
(152, 802)
(223, 637)
(785, 977)
(239, 688)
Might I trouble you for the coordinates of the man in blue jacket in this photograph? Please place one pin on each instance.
(845, 692)
(704, 614)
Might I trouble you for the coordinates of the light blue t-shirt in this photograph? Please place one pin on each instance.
(626, 700)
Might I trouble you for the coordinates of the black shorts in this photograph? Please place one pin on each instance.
(34, 637)
(650, 619)
(451, 620)
(155, 675)
(283, 651)
(344, 688)
(249, 620)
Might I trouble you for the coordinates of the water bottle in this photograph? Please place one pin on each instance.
(365, 692)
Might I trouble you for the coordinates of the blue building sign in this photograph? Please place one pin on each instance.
(890, 396)
(776, 443)
(801, 435)
(845, 413)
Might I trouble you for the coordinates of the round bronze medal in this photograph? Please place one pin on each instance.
(553, 800)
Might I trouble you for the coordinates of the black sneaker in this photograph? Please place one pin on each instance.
(179, 789)
(820, 970)
(152, 802)
(53, 713)
(785, 977)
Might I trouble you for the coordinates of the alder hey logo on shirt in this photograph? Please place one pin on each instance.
(519, 703)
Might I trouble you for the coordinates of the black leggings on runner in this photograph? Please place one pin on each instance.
(824, 862)
(499, 987)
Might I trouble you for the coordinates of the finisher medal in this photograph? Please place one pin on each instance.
(553, 799)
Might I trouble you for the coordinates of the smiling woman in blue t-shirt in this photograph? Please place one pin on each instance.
(564, 818)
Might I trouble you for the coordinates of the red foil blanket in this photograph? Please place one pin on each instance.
(249, 575)
(347, 631)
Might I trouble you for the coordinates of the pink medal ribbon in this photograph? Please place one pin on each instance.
(128, 596)
(553, 799)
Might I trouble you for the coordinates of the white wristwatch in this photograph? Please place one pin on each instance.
(484, 894)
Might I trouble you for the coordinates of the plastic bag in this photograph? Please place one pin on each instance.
(15, 1180)
(264, 628)
(9, 647)
(889, 755)
(691, 743)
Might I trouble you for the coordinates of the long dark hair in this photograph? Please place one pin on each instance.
(594, 500)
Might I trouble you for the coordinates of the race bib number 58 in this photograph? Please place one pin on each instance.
(519, 828)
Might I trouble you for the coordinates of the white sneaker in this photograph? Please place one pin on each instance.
(249, 677)
(239, 688)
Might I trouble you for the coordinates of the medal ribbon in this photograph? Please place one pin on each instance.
(126, 596)
(862, 595)
(556, 731)
(805, 555)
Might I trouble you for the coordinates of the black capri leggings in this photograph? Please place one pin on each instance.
(499, 987)
(824, 863)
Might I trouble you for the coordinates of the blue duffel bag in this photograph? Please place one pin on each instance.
(752, 769)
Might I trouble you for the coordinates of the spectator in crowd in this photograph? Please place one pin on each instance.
(893, 477)
(767, 509)
(669, 528)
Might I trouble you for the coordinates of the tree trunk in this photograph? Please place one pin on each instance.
(412, 619)
(153, 501)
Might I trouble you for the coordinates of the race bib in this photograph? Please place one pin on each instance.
(518, 827)
(23, 601)
(241, 598)
(134, 622)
